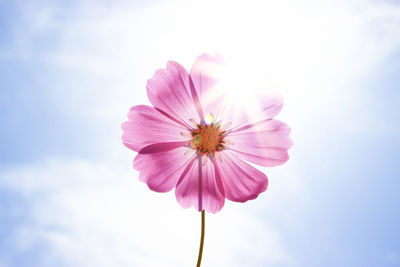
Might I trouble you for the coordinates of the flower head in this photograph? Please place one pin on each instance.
(192, 140)
(207, 138)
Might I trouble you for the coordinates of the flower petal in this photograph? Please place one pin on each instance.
(169, 90)
(148, 126)
(162, 147)
(266, 143)
(241, 181)
(205, 74)
(262, 108)
(200, 187)
(161, 171)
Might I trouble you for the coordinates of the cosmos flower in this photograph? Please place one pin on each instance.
(193, 140)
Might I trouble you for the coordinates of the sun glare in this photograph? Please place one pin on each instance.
(269, 48)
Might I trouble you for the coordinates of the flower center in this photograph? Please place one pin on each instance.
(208, 138)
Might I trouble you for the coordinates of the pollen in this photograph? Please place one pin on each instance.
(208, 138)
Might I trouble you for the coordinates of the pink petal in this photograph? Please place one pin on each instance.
(200, 187)
(241, 181)
(265, 143)
(147, 126)
(169, 90)
(205, 74)
(162, 147)
(161, 171)
(264, 108)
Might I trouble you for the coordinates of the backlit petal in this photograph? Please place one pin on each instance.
(147, 126)
(245, 115)
(200, 187)
(266, 143)
(169, 90)
(241, 181)
(161, 171)
(206, 72)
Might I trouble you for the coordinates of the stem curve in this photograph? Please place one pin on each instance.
(203, 222)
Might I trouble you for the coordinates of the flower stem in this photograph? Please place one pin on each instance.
(203, 222)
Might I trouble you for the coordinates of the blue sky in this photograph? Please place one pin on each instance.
(69, 73)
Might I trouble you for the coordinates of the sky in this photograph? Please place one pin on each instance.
(70, 71)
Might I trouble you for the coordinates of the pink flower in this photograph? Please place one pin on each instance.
(191, 140)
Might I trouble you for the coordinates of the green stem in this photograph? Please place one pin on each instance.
(203, 222)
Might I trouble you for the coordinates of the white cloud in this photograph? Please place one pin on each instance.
(95, 214)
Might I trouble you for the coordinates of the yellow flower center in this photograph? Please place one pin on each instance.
(208, 139)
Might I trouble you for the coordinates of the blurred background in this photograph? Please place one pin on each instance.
(70, 70)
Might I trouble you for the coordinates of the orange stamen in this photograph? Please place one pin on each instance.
(208, 139)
